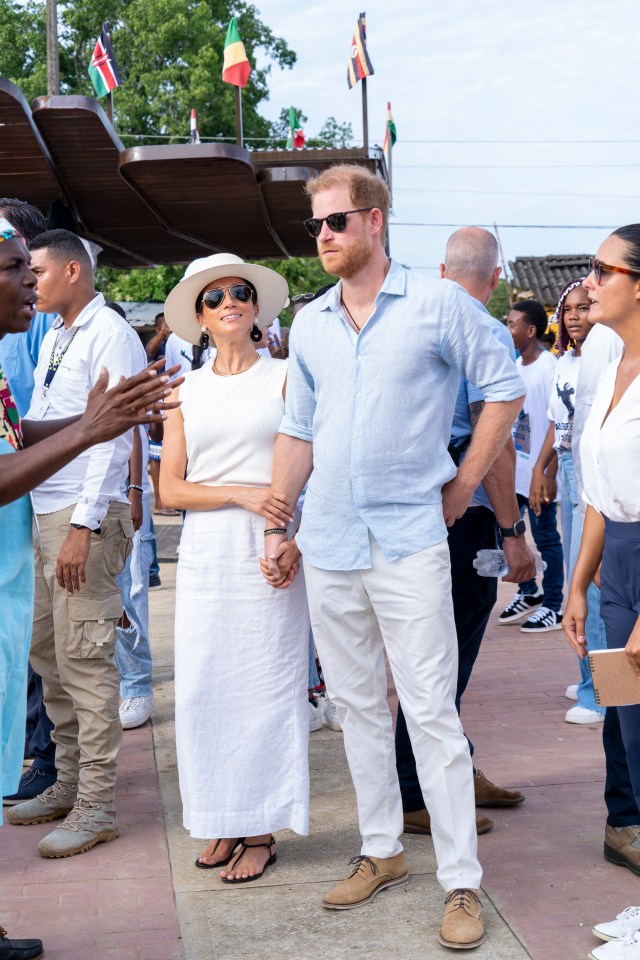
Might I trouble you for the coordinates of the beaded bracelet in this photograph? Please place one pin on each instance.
(275, 530)
(135, 486)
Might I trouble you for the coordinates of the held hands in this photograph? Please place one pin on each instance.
(543, 489)
(573, 622)
(133, 401)
(264, 502)
(72, 560)
(522, 563)
(281, 561)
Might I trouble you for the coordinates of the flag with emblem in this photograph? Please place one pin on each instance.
(360, 67)
(236, 67)
(296, 133)
(103, 69)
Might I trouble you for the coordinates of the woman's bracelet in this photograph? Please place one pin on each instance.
(135, 486)
(275, 530)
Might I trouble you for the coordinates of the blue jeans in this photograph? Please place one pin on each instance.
(133, 655)
(154, 569)
(572, 522)
(314, 679)
(547, 539)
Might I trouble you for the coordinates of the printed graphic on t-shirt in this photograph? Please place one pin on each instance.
(522, 434)
(565, 393)
(564, 428)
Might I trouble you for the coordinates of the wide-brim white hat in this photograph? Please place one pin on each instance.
(180, 305)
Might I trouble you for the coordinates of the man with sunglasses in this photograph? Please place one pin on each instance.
(374, 367)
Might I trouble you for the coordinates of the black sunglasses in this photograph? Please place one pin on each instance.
(597, 267)
(335, 221)
(242, 292)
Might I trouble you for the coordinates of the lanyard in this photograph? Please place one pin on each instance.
(54, 362)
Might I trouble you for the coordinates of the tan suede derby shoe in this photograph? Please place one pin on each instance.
(462, 924)
(490, 795)
(370, 876)
(419, 821)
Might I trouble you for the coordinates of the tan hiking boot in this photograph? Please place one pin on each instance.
(490, 795)
(419, 821)
(370, 876)
(87, 824)
(462, 924)
(56, 802)
(622, 846)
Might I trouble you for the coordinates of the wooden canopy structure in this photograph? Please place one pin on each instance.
(157, 204)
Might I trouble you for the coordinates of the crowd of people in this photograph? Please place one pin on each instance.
(367, 480)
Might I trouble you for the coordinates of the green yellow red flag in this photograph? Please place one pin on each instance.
(236, 67)
(390, 136)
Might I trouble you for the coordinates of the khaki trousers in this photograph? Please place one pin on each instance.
(73, 647)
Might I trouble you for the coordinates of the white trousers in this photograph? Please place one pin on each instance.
(404, 607)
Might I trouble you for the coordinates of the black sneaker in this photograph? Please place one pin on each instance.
(155, 583)
(542, 621)
(32, 784)
(521, 606)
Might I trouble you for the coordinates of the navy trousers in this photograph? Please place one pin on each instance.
(619, 609)
(473, 600)
(38, 742)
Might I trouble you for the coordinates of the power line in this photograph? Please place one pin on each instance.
(513, 226)
(510, 166)
(524, 142)
(519, 193)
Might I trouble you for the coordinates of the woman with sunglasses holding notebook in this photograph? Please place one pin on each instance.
(240, 646)
(610, 456)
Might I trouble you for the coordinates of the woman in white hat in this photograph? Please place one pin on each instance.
(240, 646)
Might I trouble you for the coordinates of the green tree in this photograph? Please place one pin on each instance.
(498, 306)
(334, 134)
(169, 52)
(303, 274)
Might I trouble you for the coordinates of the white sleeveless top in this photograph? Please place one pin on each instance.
(231, 423)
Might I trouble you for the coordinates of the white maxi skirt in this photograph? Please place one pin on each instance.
(241, 680)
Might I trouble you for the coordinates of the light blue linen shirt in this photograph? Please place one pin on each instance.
(378, 408)
(469, 393)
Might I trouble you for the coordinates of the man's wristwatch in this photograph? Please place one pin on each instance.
(517, 530)
(83, 526)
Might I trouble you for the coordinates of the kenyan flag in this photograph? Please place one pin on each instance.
(103, 69)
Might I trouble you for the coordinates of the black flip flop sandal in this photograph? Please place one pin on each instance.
(246, 846)
(219, 863)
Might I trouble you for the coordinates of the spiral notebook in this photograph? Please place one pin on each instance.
(614, 682)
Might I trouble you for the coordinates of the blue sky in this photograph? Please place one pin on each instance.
(497, 71)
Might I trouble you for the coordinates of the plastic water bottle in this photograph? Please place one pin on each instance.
(494, 563)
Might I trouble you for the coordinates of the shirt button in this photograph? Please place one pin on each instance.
(358, 396)
(359, 356)
(356, 475)
(356, 434)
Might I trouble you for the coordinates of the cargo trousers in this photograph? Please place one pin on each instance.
(73, 647)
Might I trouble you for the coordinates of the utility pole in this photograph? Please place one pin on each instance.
(53, 62)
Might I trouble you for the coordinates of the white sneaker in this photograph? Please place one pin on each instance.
(330, 716)
(616, 929)
(315, 717)
(134, 711)
(571, 693)
(626, 949)
(583, 715)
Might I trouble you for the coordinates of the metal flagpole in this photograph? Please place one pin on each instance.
(239, 140)
(365, 118)
(53, 61)
(110, 107)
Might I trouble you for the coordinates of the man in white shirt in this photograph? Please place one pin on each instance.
(527, 322)
(84, 535)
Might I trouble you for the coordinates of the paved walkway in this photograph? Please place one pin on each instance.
(141, 898)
